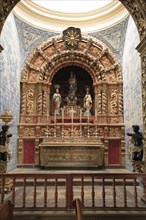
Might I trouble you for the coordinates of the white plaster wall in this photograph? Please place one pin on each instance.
(131, 83)
(10, 64)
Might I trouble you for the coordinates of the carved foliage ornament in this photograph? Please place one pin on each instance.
(71, 37)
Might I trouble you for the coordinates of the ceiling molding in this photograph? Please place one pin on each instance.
(91, 21)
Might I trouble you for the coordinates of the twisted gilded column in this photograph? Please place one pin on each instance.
(39, 100)
(99, 101)
(23, 100)
(120, 101)
(104, 100)
(44, 104)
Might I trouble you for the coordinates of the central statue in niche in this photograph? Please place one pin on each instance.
(71, 99)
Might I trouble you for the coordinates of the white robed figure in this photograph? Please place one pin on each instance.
(87, 102)
(57, 100)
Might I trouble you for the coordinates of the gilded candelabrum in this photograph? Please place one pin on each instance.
(6, 117)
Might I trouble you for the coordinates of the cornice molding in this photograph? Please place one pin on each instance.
(46, 19)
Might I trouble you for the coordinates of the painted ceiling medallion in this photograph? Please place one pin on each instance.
(72, 37)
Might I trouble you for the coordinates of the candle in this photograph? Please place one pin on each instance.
(55, 124)
(72, 129)
(80, 123)
(55, 118)
(72, 112)
(47, 119)
(62, 116)
(88, 135)
(88, 118)
(62, 123)
(80, 115)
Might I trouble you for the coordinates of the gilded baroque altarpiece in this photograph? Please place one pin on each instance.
(37, 121)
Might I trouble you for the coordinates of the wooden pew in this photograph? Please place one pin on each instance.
(78, 205)
(6, 211)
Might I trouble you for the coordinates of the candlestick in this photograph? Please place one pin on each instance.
(96, 131)
(88, 135)
(62, 116)
(54, 124)
(72, 130)
(47, 119)
(62, 123)
(72, 115)
(80, 123)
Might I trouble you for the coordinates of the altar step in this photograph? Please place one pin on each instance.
(87, 215)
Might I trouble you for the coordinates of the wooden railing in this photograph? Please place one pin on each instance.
(57, 191)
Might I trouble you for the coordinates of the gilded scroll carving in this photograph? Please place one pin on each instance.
(24, 74)
(5, 8)
(112, 77)
(137, 10)
(43, 75)
(29, 131)
(32, 66)
(113, 102)
(30, 101)
(118, 73)
(88, 45)
(32, 76)
(114, 132)
(70, 155)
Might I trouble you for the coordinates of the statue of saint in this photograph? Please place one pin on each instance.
(72, 85)
(87, 102)
(57, 100)
(4, 139)
(71, 98)
(137, 140)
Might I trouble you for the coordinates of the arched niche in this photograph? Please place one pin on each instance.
(62, 79)
(91, 56)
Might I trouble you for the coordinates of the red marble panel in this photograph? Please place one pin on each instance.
(114, 152)
(29, 152)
